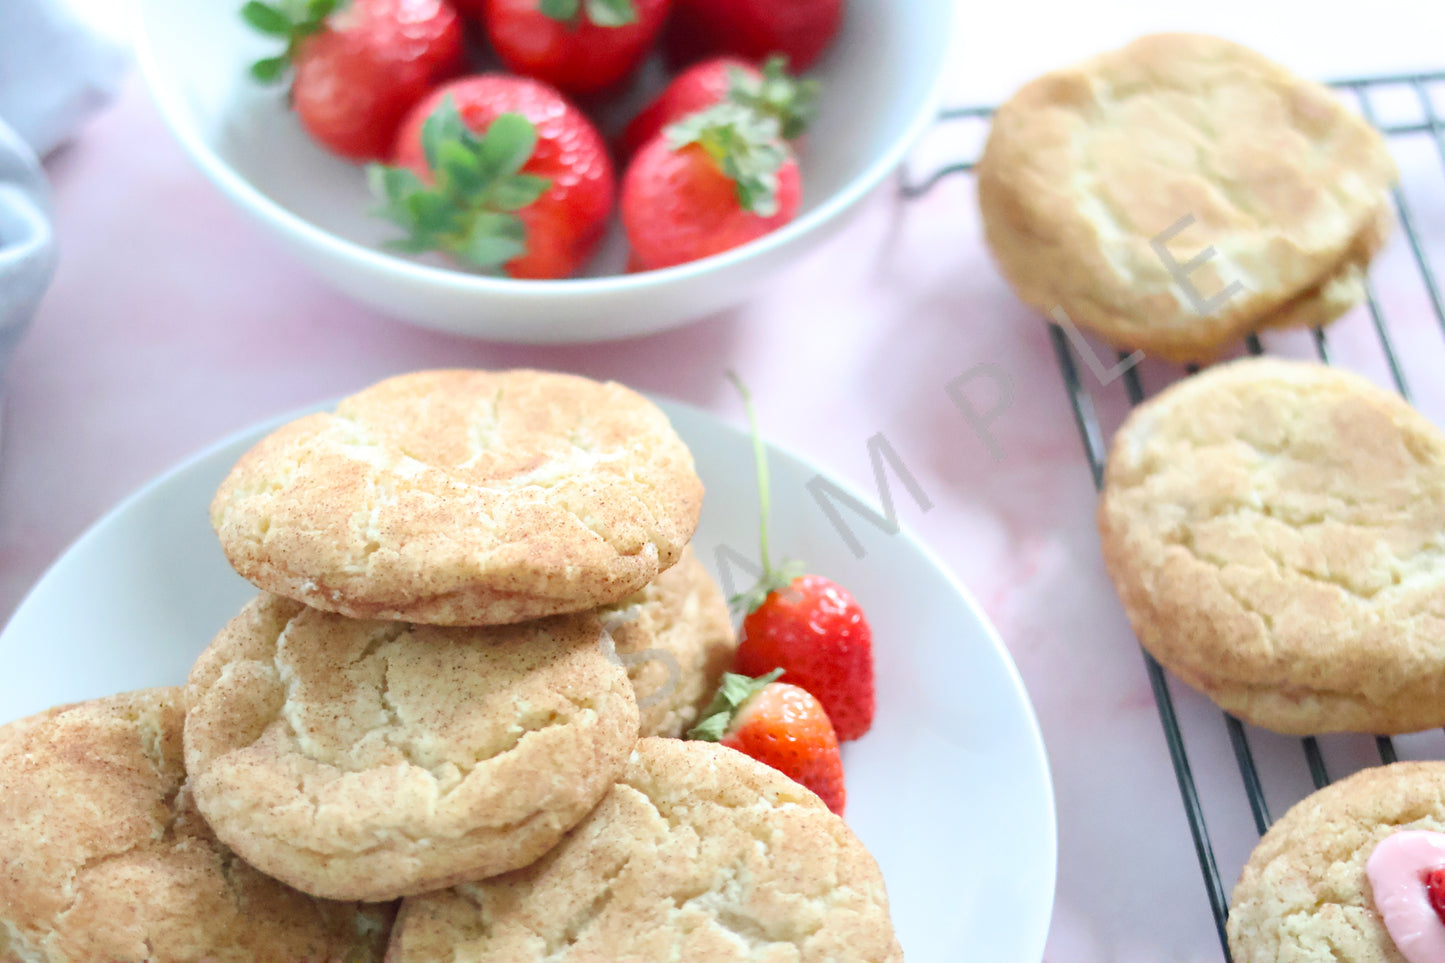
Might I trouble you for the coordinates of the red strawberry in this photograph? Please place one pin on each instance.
(499, 172)
(779, 725)
(808, 626)
(816, 631)
(769, 91)
(580, 46)
(359, 69)
(800, 30)
(1435, 887)
(710, 183)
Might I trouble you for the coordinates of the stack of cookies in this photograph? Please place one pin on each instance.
(480, 623)
(425, 694)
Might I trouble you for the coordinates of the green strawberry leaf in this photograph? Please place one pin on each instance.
(602, 13)
(494, 239)
(291, 20)
(459, 166)
(443, 125)
(733, 693)
(269, 69)
(519, 191)
(611, 13)
(747, 146)
(266, 19)
(565, 11)
(508, 145)
(469, 210)
(792, 101)
(319, 10)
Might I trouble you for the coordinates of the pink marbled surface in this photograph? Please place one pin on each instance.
(173, 321)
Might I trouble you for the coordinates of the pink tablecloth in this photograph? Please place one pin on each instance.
(173, 322)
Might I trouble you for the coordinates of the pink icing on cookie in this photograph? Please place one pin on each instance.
(1397, 870)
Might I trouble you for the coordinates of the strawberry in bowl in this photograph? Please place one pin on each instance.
(709, 183)
(801, 30)
(578, 46)
(770, 91)
(500, 173)
(357, 67)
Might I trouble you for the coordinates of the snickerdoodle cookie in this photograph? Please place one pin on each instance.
(103, 856)
(1276, 530)
(464, 498)
(676, 639)
(370, 760)
(1305, 893)
(1102, 183)
(698, 853)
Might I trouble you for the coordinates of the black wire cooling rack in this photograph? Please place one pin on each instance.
(1426, 123)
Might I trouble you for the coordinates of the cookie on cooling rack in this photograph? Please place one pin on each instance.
(464, 498)
(371, 760)
(1189, 142)
(698, 853)
(1276, 531)
(676, 639)
(1342, 877)
(105, 858)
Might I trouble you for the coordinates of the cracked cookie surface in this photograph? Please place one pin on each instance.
(1303, 896)
(1276, 531)
(1086, 167)
(103, 855)
(676, 639)
(370, 760)
(698, 854)
(463, 498)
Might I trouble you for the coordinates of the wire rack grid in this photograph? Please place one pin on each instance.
(1428, 123)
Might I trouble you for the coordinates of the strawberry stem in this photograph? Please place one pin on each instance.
(772, 579)
(733, 693)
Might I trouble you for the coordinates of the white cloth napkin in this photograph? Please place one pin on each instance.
(55, 72)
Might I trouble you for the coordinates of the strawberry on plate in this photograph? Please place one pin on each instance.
(800, 30)
(499, 172)
(779, 725)
(771, 91)
(806, 625)
(358, 66)
(709, 183)
(578, 46)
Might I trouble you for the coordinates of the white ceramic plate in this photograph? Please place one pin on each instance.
(950, 791)
(883, 81)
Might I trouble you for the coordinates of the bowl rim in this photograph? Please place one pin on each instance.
(393, 267)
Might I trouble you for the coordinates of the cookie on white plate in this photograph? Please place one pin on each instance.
(463, 498)
(372, 760)
(103, 855)
(699, 853)
(676, 639)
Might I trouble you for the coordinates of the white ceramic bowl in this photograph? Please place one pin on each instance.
(882, 86)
